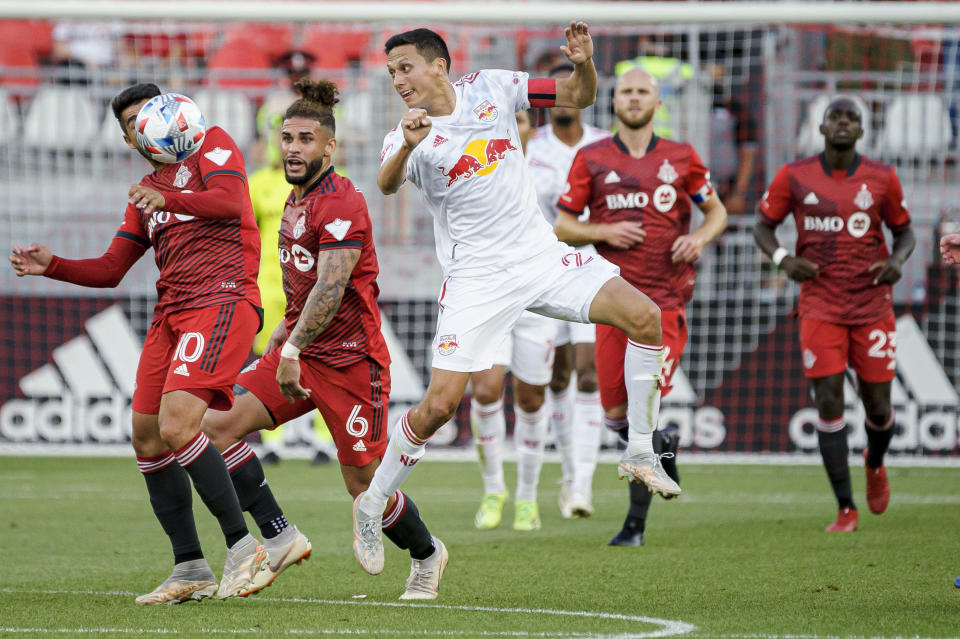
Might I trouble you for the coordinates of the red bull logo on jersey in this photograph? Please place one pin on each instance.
(486, 111)
(480, 157)
(447, 344)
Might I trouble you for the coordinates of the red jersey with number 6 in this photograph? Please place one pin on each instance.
(654, 190)
(202, 261)
(332, 215)
(839, 216)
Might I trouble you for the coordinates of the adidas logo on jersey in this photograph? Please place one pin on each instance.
(181, 370)
(437, 141)
(612, 178)
(359, 446)
(811, 199)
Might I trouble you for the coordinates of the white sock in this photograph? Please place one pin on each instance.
(529, 435)
(642, 366)
(587, 429)
(489, 430)
(561, 423)
(404, 450)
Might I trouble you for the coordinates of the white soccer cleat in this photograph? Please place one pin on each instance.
(295, 552)
(243, 564)
(580, 506)
(646, 468)
(563, 499)
(367, 539)
(425, 574)
(174, 591)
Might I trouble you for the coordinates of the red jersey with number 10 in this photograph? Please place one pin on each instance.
(839, 216)
(202, 261)
(654, 190)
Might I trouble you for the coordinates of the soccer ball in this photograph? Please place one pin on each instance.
(170, 128)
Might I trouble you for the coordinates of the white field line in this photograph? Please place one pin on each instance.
(470, 455)
(667, 627)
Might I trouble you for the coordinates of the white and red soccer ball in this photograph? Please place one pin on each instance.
(170, 128)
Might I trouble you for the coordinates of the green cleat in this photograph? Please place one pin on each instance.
(527, 516)
(490, 513)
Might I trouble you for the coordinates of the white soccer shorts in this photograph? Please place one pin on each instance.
(528, 349)
(478, 312)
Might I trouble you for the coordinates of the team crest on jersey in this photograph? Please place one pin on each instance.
(486, 111)
(664, 197)
(447, 344)
(183, 176)
(667, 173)
(858, 224)
(300, 227)
(864, 199)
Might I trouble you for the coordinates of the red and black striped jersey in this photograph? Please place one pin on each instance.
(839, 216)
(332, 215)
(202, 261)
(654, 190)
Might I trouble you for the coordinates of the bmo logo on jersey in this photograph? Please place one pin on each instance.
(664, 197)
(300, 256)
(857, 224)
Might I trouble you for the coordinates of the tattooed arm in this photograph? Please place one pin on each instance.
(334, 268)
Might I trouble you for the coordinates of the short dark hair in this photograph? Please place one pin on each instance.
(132, 95)
(317, 99)
(559, 68)
(429, 44)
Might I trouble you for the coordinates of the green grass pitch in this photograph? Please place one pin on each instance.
(741, 555)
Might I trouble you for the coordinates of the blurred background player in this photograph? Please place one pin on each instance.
(498, 254)
(840, 200)
(638, 188)
(575, 418)
(528, 351)
(333, 357)
(200, 335)
(268, 193)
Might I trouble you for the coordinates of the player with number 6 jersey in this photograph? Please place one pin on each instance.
(328, 353)
(840, 201)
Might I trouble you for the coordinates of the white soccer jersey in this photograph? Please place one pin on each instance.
(471, 171)
(549, 160)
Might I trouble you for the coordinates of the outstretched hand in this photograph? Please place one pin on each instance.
(30, 260)
(579, 47)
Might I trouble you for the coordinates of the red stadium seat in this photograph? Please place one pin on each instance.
(274, 39)
(334, 49)
(19, 67)
(239, 64)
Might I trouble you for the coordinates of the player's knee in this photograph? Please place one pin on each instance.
(587, 380)
(879, 416)
(560, 380)
(829, 405)
(643, 323)
(439, 410)
(486, 394)
(530, 401)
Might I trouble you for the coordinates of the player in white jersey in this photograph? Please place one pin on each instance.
(576, 418)
(460, 146)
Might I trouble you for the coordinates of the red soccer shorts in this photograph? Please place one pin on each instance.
(353, 401)
(611, 347)
(199, 350)
(870, 349)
